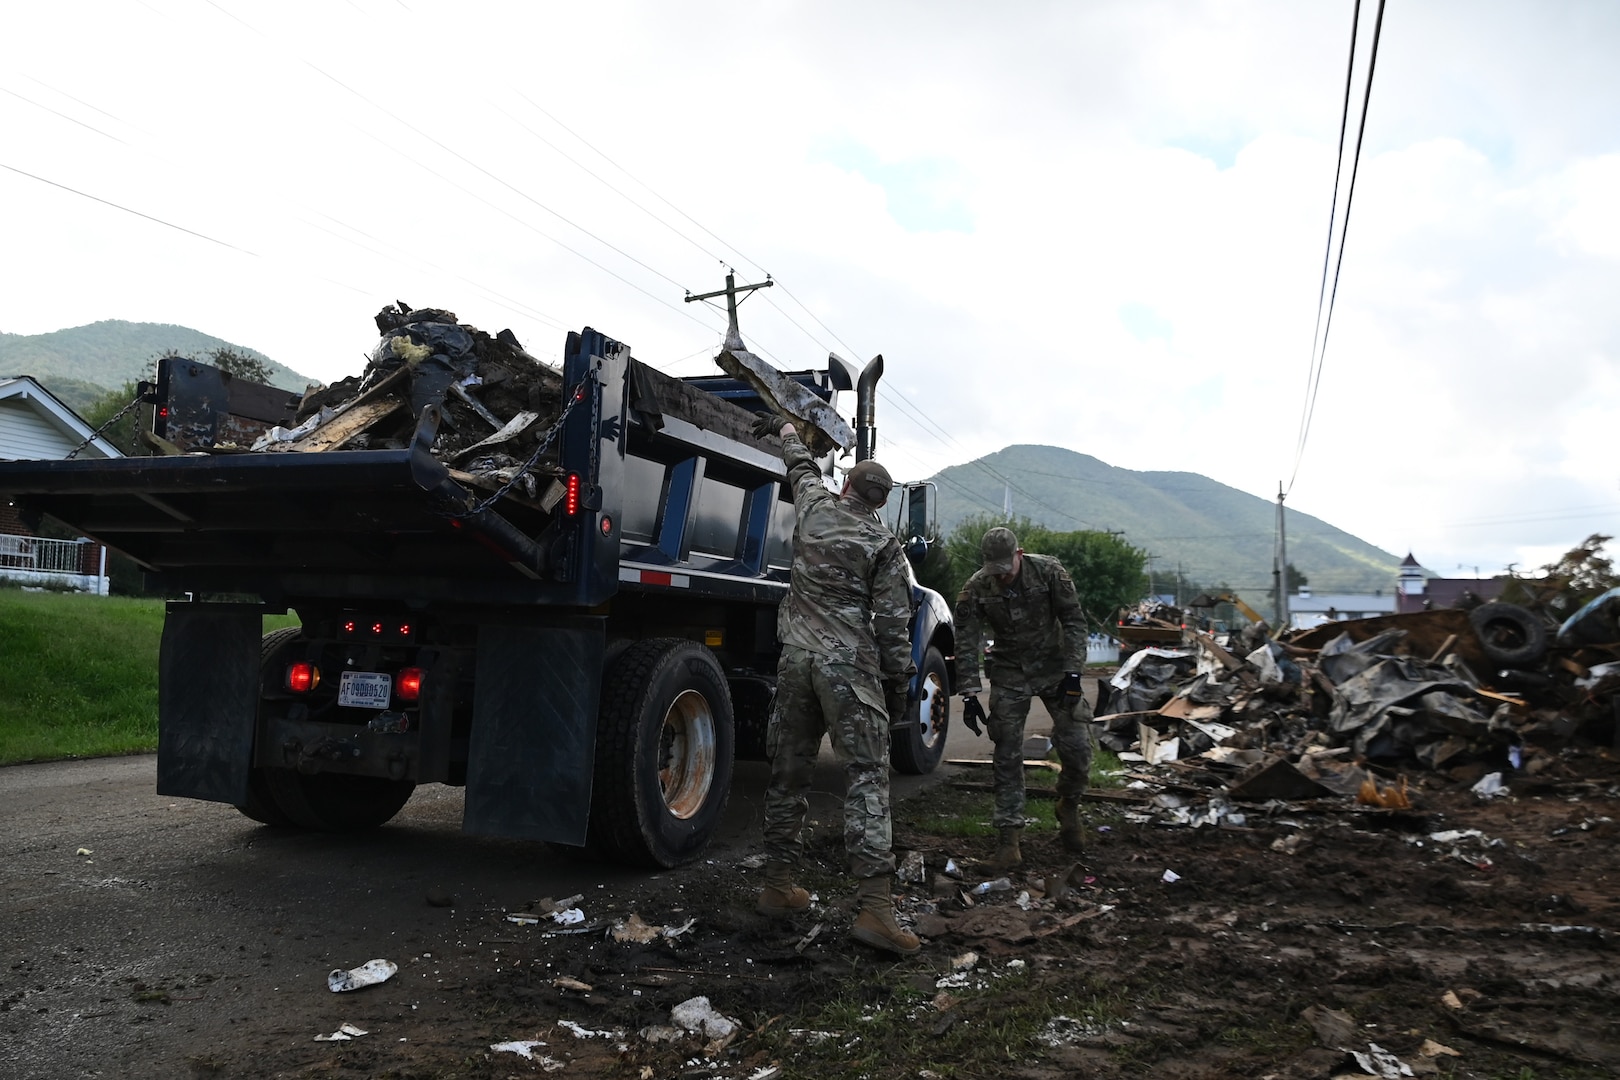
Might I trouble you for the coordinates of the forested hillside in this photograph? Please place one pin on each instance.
(84, 363)
(1205, 531)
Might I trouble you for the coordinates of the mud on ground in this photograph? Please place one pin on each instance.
(1461, 938)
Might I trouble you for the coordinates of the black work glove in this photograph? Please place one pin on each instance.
(1070, 686)
(768, 425)
(897, 699)
(973, 713)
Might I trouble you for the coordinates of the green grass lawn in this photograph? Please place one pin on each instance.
(78, 674)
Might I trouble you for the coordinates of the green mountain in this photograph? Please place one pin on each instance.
(84, 363)
(1207, 532)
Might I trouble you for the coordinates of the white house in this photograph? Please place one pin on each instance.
(34, 424)
(1306, 610)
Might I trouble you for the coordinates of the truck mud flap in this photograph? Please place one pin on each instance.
(533, 742)
(208, 695)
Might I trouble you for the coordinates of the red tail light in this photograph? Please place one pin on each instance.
(302, 677)
(571, 500)
(408, 684)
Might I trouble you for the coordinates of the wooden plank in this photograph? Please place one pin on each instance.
(346, 425)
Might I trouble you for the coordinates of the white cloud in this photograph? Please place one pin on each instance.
(1079, 161)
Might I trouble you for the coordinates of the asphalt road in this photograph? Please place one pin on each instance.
(140, 930)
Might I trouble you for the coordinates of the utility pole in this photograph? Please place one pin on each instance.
(733, 335)
(1282, 565)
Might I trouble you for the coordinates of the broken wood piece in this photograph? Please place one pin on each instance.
(1227, 660)
(1445, 647)
(788, 397)
(476, 406)
(345, 426)
(513, 428)
(160, 444)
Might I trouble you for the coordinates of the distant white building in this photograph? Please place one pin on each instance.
(1306, 610)
(35, 425)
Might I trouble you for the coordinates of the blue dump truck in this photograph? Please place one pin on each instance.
(585, 645)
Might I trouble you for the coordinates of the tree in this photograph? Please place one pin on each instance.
(121, 434)
(238, 365)
(1581, 574)
(1107, 571)
(1293, 580)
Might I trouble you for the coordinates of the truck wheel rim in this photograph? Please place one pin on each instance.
(687, 754)
(933, 697)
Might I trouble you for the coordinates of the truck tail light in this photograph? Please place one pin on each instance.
(408, 684)
(571, 499)
(303, 677)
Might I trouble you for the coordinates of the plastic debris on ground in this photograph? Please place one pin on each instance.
(370, 973)
(342, 1034)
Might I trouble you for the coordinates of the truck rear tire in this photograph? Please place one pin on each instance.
(664, 745)
(918, 747)
(337, 802)
(261, 804)
(325, 802)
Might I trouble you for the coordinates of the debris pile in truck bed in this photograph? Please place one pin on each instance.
(1325, 711)
(496, 402)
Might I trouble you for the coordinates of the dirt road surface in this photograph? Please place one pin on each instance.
(146, 936)
(1463, 937)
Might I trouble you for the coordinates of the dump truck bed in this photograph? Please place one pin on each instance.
(290, 524)
(671, 490)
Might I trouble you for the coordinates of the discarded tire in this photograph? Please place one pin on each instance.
(1509, 634)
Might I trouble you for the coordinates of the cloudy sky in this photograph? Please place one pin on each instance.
(1095, 225)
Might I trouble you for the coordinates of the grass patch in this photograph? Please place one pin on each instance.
(944, 810)
(895, 1023)
(80, 677)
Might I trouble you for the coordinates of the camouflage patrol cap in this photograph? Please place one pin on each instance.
(871, 482)
(997, 550)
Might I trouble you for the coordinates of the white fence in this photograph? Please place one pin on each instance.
(53, 564)
(1102, 649)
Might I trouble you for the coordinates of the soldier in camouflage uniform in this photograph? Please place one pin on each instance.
(846, 664)
(1027, 605)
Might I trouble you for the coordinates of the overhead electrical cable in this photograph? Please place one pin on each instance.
(649, 189)
(128, 210)
(63, 115)
(1344, 230)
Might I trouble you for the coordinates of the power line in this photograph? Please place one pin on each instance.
(1320, 353)
(128, 210)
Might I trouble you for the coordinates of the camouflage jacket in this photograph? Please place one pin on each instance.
(850, 597)
(1036, 623)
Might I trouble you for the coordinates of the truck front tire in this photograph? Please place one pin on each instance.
(664, 745)
(917, 748)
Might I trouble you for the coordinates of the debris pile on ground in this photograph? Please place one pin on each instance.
(1343, 709)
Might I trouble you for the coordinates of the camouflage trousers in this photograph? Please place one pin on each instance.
(814, 698)
(1071, 736)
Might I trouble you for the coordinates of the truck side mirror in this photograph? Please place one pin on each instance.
(916, 524)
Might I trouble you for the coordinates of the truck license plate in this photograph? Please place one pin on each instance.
(365, 689)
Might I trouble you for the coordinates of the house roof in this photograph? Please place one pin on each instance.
(1446, 592)
(26, 390)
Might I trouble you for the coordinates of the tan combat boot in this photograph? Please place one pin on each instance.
(1007, 856)
(875, 925)
(1070, 832)
(780, 897)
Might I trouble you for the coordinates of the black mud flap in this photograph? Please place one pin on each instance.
(533, 741)
(208, 696)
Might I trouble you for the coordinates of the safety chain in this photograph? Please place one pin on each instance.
(574, 399)
(96, 434)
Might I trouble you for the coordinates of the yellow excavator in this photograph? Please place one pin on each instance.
(1209, 600)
